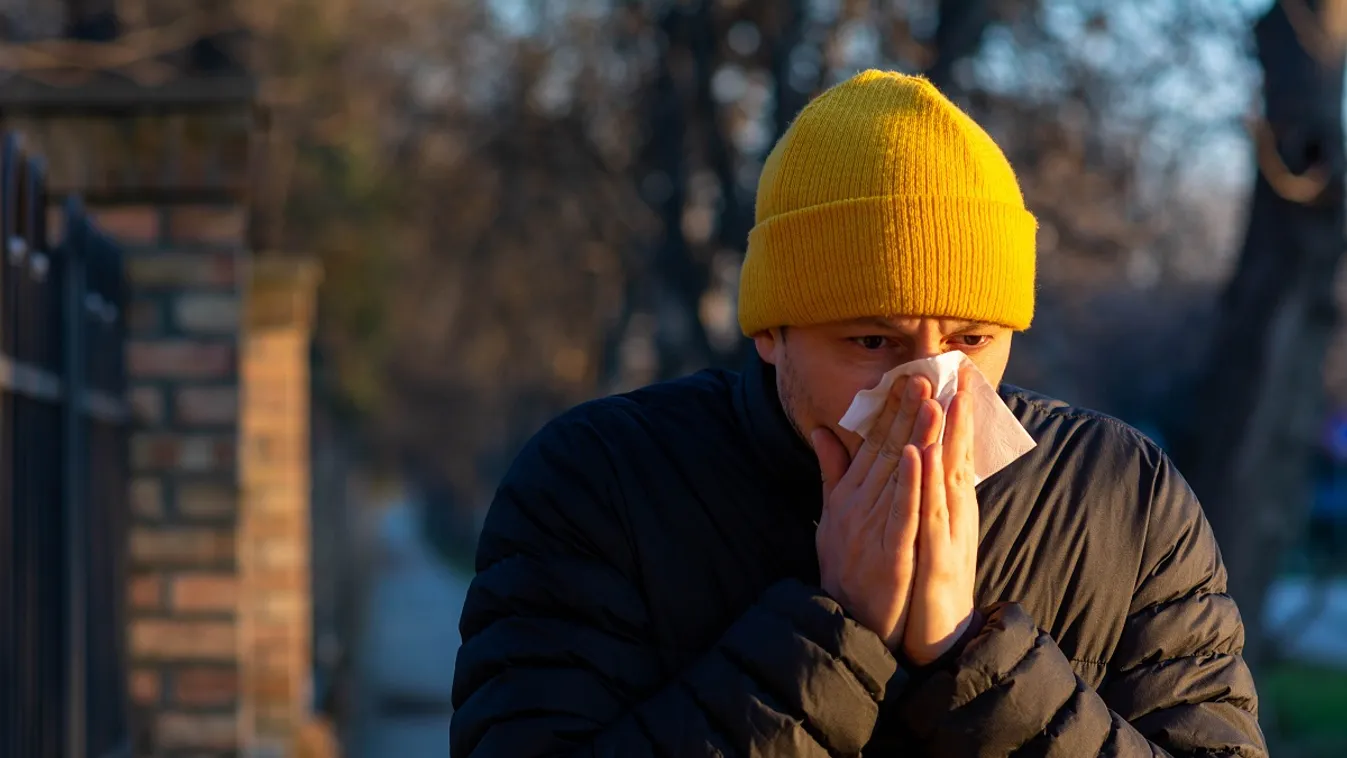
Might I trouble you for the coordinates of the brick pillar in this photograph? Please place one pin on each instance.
(183, 365)
(218, 597)
(275, 606)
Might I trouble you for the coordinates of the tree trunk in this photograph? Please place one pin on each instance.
(958, 35)
(1245, 437)
(792, 94)
(681, 341)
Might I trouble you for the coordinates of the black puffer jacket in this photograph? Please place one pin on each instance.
(648, 586)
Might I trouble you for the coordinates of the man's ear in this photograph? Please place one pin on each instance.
(770, 344)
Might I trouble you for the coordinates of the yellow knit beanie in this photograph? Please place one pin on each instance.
(884, 199)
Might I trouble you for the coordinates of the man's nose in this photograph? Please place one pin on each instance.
(926, 348)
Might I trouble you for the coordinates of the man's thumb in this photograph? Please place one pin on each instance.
(832, 456)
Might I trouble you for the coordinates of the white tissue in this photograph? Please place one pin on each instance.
(998, 437)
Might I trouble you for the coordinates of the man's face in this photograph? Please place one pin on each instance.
(819, 369)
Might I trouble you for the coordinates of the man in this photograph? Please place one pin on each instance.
(661, 573)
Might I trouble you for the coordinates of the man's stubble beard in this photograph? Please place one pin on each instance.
(792, 395)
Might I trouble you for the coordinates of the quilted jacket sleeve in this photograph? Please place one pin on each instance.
(1176, 685)
(558, 656)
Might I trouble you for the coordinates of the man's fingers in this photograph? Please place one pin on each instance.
(879, 512)
(900, 431)
(933, 542)
(892, 402)
(904, 504)
(930, 419)
(966, 375)
(874, 439)
(959, 433)
(961, 497)
(833, 460)
(886, 448)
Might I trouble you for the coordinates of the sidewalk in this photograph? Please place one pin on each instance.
(1322, 641)
(409, 644)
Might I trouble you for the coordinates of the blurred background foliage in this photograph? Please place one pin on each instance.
(525, 204)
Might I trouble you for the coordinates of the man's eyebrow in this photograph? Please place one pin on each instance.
(968, 326)
(876, 321)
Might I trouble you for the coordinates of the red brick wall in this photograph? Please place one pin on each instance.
(183, 361)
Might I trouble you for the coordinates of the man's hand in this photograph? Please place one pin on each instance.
(867, 535)
(941, 602)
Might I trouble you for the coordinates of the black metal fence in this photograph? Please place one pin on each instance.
(63, 478)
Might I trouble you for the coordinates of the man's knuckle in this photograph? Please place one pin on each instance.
(900, 508)
(959, 477)
(890, 450)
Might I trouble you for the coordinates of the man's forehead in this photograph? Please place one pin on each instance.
(912, 324)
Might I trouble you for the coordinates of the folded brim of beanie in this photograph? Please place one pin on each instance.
(961, 258)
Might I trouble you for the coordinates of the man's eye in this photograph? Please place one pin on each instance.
(972, 340)
(872, 342)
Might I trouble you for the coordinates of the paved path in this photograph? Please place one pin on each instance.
(1324, 639)
(406, 661)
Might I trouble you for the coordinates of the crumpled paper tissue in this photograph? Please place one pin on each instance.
(998, 437)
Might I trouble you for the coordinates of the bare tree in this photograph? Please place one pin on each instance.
(1252, 417)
